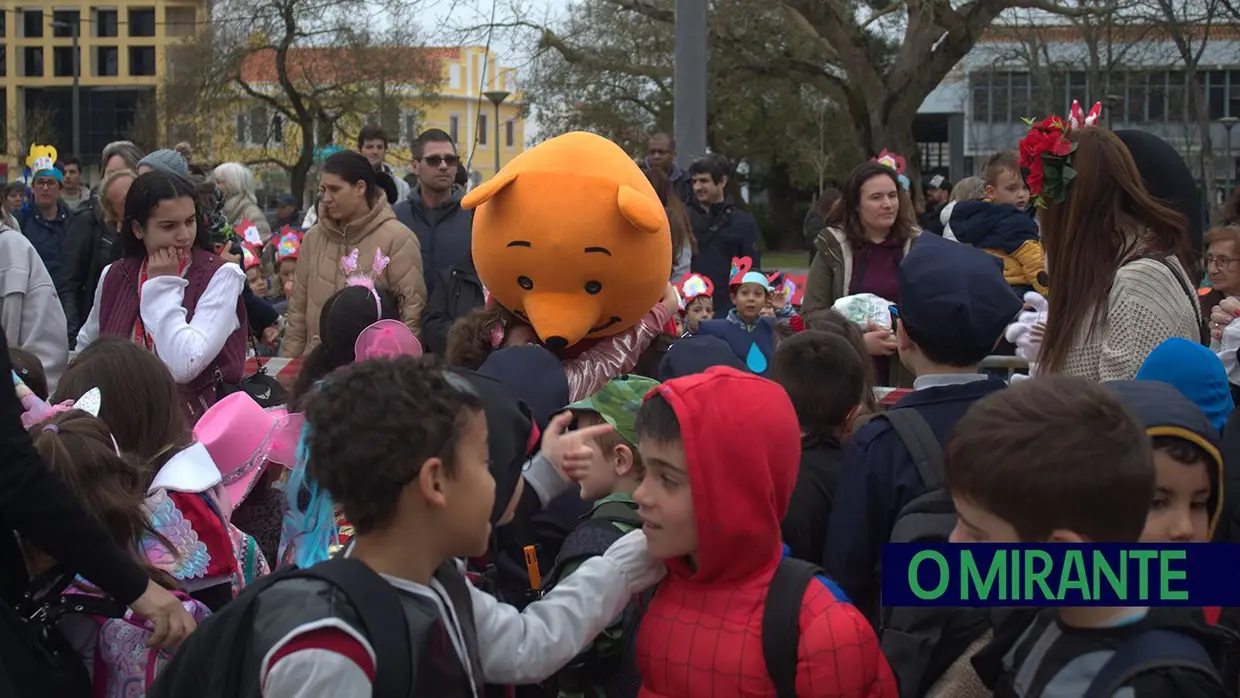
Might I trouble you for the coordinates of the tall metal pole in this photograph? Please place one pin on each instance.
(77, 96)
(690, 78)
(497, 138)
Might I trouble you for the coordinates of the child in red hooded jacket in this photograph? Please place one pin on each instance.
(722, 450)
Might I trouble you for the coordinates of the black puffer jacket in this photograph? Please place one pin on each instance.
(88, 248)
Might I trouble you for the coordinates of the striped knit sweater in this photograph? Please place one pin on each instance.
(1146, 306)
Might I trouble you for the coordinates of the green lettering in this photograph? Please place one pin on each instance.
(1143, 558)
(1073, 576)
(944, 575)
(972, 578)
(1014, 576)
(1102, 568)
(1039, 576)
(1165, 592)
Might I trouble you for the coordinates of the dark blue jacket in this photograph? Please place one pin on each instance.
(753, 344)
(47, 236)
(722, 233)
(989, 226)
(444, 233)
(877, 480)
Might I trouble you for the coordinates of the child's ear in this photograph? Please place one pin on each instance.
(989, 192)
(902, 339)
(432, 482)
(624, 460)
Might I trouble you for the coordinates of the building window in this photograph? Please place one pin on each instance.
(4, 26)
(62, 61)
(106, 23)
(482, 129)
(32, 24)
(454, 128)
(1137, 98)
(510, 133)
(63, 22)
(142, 21)
(454, 76)
(387, 119)
(934, 156)
(324, 132)
(4, 62)
(1177, 98)
(257, 126)
(141, 60)
(1216, 93)
(180, 21)
(979, 90)
(107, 61)
(32, 62)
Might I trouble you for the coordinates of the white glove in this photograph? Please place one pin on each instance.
(1020, 332)
(632, 560)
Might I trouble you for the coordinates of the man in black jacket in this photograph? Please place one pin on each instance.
(445, 232)
(37, 506)
(88, 248)
(723, 231)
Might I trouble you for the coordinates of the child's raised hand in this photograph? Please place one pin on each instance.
(569, 451)
(671, 297)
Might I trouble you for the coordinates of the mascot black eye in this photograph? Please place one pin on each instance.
(525, 282)
(594, 288)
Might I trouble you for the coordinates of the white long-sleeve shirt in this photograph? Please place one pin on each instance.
(186, 348)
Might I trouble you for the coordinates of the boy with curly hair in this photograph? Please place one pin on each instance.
(402, 446)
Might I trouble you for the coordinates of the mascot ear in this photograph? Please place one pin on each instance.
(640, 210)
(483, 192)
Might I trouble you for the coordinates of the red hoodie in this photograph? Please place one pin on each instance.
(701, 636)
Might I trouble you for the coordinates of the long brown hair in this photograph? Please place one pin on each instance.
(1107, 220)
(677, 214)
(847, 215)
(141, 403)
(78, 448)
(827, 201)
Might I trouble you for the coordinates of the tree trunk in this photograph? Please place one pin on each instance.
(300, 170)
(1201, 113)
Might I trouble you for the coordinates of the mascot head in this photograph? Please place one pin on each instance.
(571, 237)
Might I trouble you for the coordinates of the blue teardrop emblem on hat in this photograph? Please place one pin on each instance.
(756, 360)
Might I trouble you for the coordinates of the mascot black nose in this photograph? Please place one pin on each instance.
(556, 343)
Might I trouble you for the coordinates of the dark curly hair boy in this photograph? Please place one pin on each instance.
(381, 426)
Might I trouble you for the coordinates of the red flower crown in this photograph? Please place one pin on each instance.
(1047, 153)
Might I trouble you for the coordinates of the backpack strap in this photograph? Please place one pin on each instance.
(1152, 649)
(781, 622)
(378, 607)
(617, 512)
(921, 443)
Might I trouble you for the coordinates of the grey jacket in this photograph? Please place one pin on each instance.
(30, 310)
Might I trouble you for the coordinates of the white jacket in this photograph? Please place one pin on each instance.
(30, 310)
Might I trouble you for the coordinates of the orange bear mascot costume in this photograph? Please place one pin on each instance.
(571, 238)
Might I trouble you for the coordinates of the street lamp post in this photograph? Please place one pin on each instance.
(692, 43)
(77, 88)
(497, 98)
(1229, 122)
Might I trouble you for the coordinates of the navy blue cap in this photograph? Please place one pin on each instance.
(953, 296)
(695, 354)
(286, 199)
(533, 375)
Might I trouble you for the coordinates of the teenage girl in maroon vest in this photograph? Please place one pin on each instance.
(170, 293)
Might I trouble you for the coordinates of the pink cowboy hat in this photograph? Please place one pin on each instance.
(242, 438)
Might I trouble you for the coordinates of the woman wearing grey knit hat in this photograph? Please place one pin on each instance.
(164, 160)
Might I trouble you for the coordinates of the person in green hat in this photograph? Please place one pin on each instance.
(609, 481)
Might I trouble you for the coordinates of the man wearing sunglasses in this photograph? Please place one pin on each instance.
(433, 212)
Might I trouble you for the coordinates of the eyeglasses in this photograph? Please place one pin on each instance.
(437, 160)
(45, 184)
(1220, 262)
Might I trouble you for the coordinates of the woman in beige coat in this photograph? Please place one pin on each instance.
(353, 214)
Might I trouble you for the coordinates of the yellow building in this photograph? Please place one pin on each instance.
(455, 102)
(122, 45)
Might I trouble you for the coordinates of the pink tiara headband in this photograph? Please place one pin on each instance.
(384, 337)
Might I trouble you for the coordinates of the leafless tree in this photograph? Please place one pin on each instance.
(310, 64)
(38, 126)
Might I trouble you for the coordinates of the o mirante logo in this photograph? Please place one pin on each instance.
(1061, 575)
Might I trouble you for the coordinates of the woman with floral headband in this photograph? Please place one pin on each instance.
(866, 237)
(1116, 257)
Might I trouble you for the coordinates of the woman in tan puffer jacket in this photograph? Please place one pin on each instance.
(354, 213)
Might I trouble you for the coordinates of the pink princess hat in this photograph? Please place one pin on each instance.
(242, 438)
